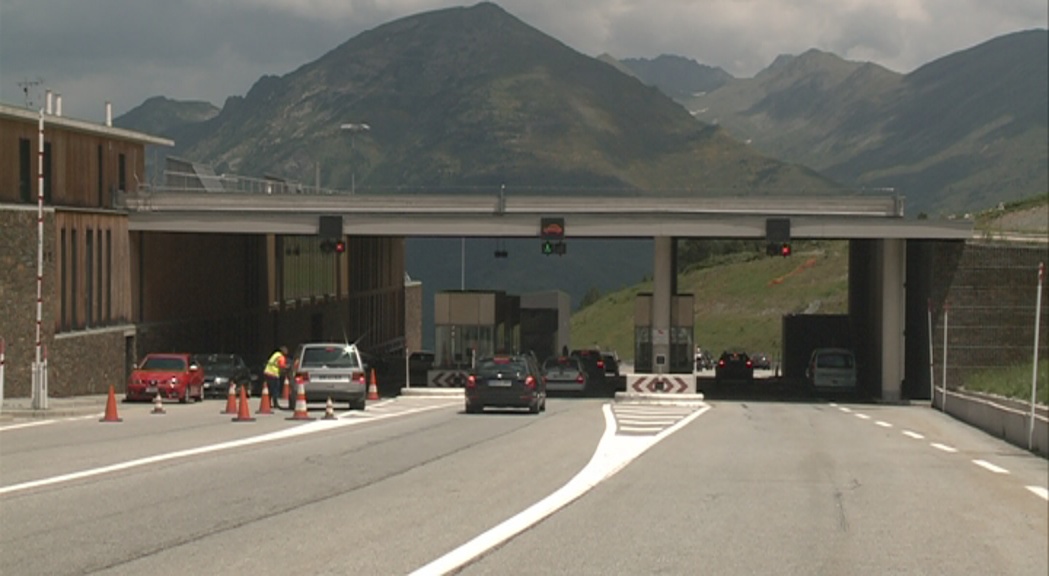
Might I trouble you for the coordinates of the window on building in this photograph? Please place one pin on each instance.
(47, 172)
(122, 173)
(89, 269)
(101, 178)
(25, 170)
(74, 322)
(109, 276)
(63, 318)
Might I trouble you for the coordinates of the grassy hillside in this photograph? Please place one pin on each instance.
(739, 299)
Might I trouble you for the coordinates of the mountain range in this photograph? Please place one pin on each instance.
(467, 100)
(959, 134)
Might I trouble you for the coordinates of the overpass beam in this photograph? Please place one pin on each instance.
(663, 288)
(893, 271)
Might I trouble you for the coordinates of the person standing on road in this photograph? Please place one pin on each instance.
(275, 371)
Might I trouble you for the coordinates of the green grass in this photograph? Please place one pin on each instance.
(740, 299)
(1012, 382)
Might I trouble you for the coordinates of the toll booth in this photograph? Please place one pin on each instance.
(469, 325)
(679, 336)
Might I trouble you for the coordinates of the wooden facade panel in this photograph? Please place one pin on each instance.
(85, 168)
(93, 281)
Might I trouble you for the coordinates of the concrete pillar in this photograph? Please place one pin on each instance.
(893, 273)
(662, 287)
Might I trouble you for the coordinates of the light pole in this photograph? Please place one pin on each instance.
(353, 128)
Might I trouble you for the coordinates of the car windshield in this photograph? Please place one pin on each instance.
(329, 356)
(218, 361)
(163, 364)
(834, 360)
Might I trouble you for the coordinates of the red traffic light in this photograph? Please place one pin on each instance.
(340, 247)
(784, 250)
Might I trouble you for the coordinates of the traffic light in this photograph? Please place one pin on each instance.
(333, 246)
(784, 250)
(777, 237)
(558, 248)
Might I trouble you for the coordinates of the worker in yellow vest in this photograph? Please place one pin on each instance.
(275, 371)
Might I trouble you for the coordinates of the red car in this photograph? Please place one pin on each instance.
(170, 375)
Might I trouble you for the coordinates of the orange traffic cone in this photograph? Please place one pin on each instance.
(373, 389)
(231, 400)
(329, 410)
(264, 403)
(244, 411)
(301, 412)
(285, 393)
(158, 406)
(111, 407)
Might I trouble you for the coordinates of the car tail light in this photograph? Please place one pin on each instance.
(530, 382)
(471, 381)
(750, 364)
(301, 377)
(579, 379)
(359, 377)
(721, 362)
(601, 364)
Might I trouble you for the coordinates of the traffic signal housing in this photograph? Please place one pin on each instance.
(777, 237)
(333, 246)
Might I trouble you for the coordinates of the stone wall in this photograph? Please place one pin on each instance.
(413, 315)
(89, 362)
(18, 263)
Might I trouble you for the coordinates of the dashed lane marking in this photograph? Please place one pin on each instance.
(1043, 493)
(988, 466)
(863, 416)
(883, 424)
(943, 447)
(914, 435)
(845, 409)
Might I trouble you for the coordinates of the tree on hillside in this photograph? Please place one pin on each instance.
(592, 295)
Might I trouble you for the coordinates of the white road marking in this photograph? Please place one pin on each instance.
(613, 453)
(641, 429)
(914, 435)
(302, 430)
(988, 466)
(862, 416)
(883, 424)
(943, 447)
(27, 425)
(845, 409)
(833, 404)
(1039, 491)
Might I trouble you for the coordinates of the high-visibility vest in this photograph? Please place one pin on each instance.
(274, 364)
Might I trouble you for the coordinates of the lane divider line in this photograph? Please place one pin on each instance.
(914, 435)
(302, 430)
(883, 424)
(845, 409)
(988, 466)
(1039, 491)
(613, 453)
(943, 447)
(862, 416)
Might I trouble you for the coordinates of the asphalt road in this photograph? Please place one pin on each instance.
(720, 488)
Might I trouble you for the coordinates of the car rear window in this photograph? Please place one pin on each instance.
(563, 362)
(503, 365)
(834, 360)
(164, 364)
(328, 357)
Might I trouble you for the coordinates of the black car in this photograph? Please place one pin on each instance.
(761, 361)
(220, 370)
(611, 360)
(734, 365)
(594, 362)
(506, 381)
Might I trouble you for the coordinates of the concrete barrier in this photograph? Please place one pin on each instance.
(1001, 417)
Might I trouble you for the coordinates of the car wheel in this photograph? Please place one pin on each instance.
(542, 407)
(184, 399)
(358, 404)
(533, 408)
(473, 408)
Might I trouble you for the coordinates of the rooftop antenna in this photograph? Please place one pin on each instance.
(26, 84)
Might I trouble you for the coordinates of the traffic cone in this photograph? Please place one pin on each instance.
(158, 406)
(329, 410)
(111, 407)
(264, 403)
(285, 392)
(300, 404)
(373, 389)
(244, 411)
(231, 400)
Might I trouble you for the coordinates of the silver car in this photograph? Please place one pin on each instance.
(565, 374)
(330, 370)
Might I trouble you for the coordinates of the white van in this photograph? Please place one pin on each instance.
(832, 368)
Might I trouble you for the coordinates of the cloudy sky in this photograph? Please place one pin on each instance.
(125, 51)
